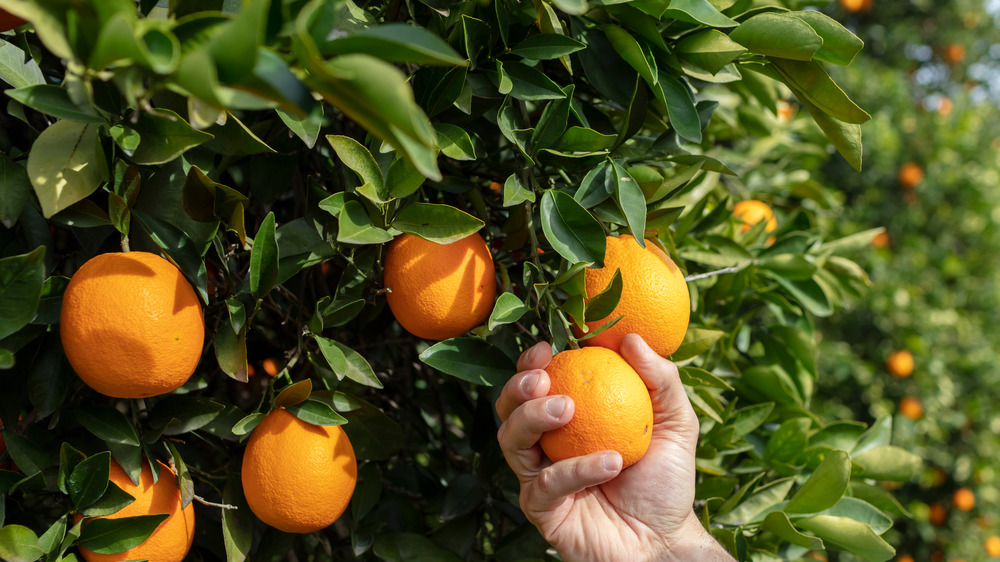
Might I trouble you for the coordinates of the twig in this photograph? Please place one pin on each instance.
(722, 271)
(203, 501)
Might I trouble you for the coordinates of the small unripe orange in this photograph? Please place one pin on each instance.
(910, 175)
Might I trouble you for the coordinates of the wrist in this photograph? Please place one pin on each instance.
(694, 542)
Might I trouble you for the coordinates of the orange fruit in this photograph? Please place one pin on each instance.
(900, 363)
(751, 212)
(655, 300)
(954, 53)
(992, 545)
(910, 175)
(945, 106)
(904, 558)
(270, 366)
(131, 325)
(856, 5)
(439, 291)
(785, 111)
(298, 477)
(9, 21)
(495, 187)
(171, 540)
(911, 408)
(613, 408)
(881, 240)
(963, 499)
(938, 514)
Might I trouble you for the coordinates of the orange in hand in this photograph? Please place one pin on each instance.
(613, 408)
(655, 300)
(131, 325)
(439, 291)
(298, 477)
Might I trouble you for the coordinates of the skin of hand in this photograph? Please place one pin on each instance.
(587, 507)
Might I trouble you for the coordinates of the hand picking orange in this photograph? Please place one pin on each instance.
(172, 539)
(298, 477)
(439, 291)
(613, 410)
(655, 300)
(131, 325)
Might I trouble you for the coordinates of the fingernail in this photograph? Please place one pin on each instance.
(528, 383)
(556, 406)
(533, 353)
(611, 463)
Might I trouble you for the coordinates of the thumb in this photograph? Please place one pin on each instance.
(663, 381)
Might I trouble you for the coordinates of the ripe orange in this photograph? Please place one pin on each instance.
(655, 300)
(904, 558)
(945, 106)
(900, 363)
(856, 5)
(171, 540)
(911, 408)
(270, 366)
(881, 240)
(439, 291)
(938, 515)
(963, 499)
(954, 53)
(613, 408)
(910, 175)
(131, 325)
(785, 111)
(992, 545)
(298, 477)
(752, 211)
(9, 21)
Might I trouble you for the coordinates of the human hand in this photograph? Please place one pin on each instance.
(587, 507)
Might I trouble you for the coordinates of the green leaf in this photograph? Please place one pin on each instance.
(107, 424)
(698, 12)
(846, 137)
(788, 441)
(21, 280)
(400, 547)
(761, 500)
(849, 535)
(825, 486)
(397, 42)
(355, 227)
(111, 536)
(237, 524)
(886, 462)
(631, 51)
(66, 164)
(113, 500)
(572, 7)
(231, 350)
(178, 248)
(840, 46)
(508, 308)
(19, 544)
(264, 259)
(177, 414)
(603, 304)
(811, 80)
(346, 362)
(679, 101)
(552, 123)
(597, 185)
(317, 412)
(442, 224)
(293, 394)
(164, 136)
(514, 192)
(778, 523)
(696, 341)
(572, 231)
(631, 201)
(89, 480)
(248, 423)
(709, 49)
(809, 294)
(16, 190)
(54, 101)
(745, 420)
(374, 435)
(29, 457)
(306, 126)
(358, 158)
(17, 68)
(471, 360)
(778, 35)
(585, 141)
(455, 142)
(861, 511)
(530, 84)
(547, 46)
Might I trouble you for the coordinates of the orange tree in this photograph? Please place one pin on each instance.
(935, 283)
(272, 150)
